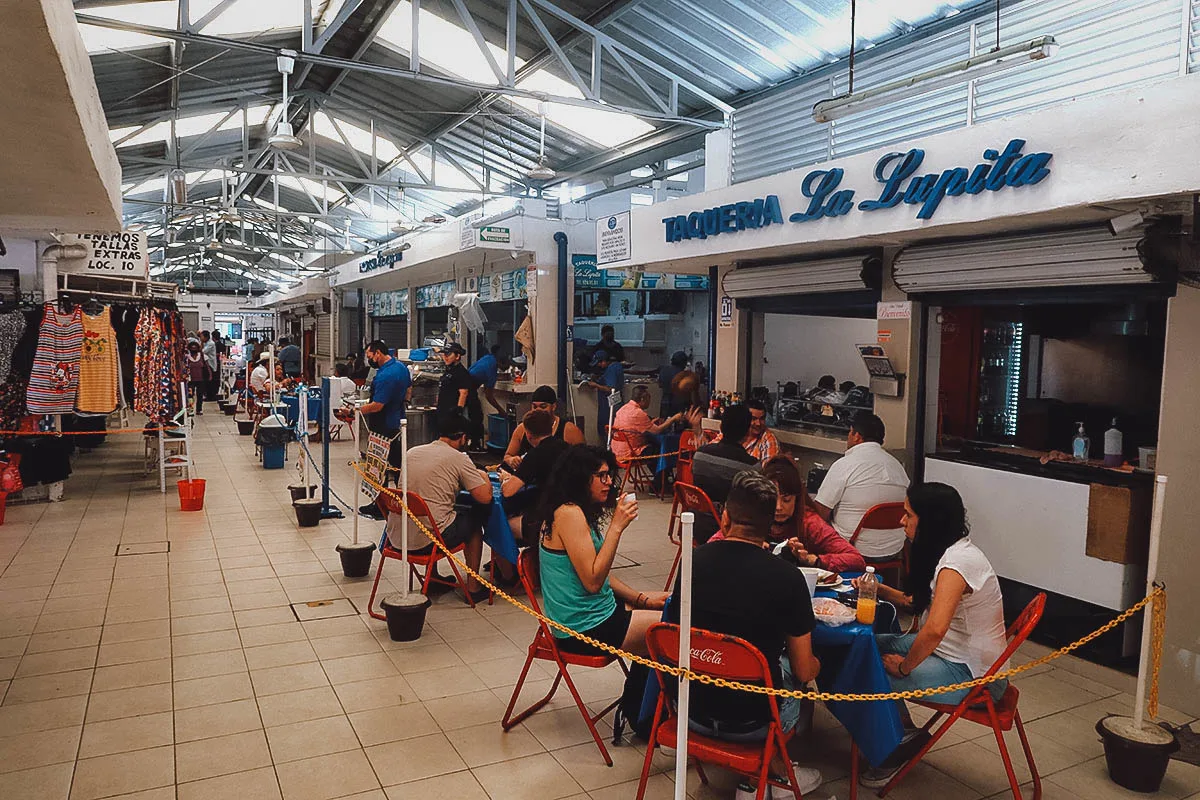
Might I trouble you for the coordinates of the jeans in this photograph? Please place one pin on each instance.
(933, 671)
(789, 713)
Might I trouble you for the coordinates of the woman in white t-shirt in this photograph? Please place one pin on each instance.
(340, 388)
(954, 589)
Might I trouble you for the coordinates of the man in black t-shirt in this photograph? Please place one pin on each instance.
(454, 388)
(533, 472)
(714, 465)
(740, 589)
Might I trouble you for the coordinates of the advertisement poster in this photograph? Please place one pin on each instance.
(388, 304)
(589, 276)
(436, 295)
(613, 239)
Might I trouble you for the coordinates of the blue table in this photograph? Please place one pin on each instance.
(667, 443)
(497, 532)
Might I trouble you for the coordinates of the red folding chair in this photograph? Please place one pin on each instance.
(979, 707)
(733, 659)
(687, 498)
(638, 471)
(390, 504)
(545, 647)
(683, 462)
(883, 517)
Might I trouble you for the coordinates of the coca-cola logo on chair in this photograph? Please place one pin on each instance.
(708, 656)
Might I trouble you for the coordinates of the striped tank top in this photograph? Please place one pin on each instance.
(98, 366)
(55, 379)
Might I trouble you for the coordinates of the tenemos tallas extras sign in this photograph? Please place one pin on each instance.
(897, 174)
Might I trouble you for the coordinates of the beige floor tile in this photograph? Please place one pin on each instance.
(413, 759)
(210, 642)
(489, 743)
(537, 777)
(466, 710)
(219, 719)
(327, 777)
(48, 687)
(1091, 780)
(288, 679)
(391, 724)
(42, 715)
(317, 737)
(423, 659)
(57, 661)
(557, 728)
(255, 784)
(354, 644)
(206, 691)
(123, 773)
(124, 676)
(279, 633)
(222, 755)
(358, 668)
(136, 631)
(89, 618)
(279, 655)
(377, 693)
(43, 783)
(63, 640)
(264, 616)
(443, 683)
(133, 652)
(924, 781)
(39, 749)
(126, 734)
(203, 623)
(457, 785)
(131, 702)
(336, 626)
(299, 706)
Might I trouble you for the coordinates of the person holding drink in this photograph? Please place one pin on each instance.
(952, 587)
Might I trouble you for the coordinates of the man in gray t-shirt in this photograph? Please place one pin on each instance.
(289, 358)
(437, 472)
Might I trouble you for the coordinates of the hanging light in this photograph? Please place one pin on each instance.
(177, 183)
(285, 137)
(541, 171)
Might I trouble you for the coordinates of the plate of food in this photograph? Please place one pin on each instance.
(831, 612)
(828, 580)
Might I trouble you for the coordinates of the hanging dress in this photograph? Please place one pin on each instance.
(12, 328)
(98, 366)
(159, 364)
(55, 379)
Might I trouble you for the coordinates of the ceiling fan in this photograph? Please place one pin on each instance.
(541, 171)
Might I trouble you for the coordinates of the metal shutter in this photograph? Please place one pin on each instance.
(323, 339)
(802, 277)
(1080, 257)
(1193, 34)
(779, 133)
(393, 331)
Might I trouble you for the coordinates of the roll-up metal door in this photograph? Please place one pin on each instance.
(393, 331)
(323, 338)
(843, 274)
(1079, 257)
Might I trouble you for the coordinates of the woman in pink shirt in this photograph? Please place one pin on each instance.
(812, 540)
(633, 421)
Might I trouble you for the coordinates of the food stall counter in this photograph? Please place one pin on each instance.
(794, 438)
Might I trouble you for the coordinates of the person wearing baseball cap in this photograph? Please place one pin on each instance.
(544, 398)
(455, 388)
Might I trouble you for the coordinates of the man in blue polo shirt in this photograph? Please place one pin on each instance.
(485, 370)
(390, 392)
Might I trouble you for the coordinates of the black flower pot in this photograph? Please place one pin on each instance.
(1137, 759)
(405, 616)
(308, 512)
(356, 558)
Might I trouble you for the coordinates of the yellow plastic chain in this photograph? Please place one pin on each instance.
(1158, 597)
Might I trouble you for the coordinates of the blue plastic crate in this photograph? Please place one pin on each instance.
(273, 456)
(500, 430)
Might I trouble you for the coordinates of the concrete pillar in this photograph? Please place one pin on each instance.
(718, 159)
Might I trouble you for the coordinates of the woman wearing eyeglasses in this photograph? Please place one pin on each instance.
(579, 502)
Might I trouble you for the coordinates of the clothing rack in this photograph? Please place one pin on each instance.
(137, 289)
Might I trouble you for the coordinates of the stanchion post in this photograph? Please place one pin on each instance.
(612, 414)
(1139, 702)
(687, 519)
(404, 496)
(358, 481)
(302, 431)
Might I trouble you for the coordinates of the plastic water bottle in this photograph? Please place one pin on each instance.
(868, 588)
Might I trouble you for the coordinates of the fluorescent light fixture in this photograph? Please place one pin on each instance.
(1125, 222)
(516, 211)
(939, 78)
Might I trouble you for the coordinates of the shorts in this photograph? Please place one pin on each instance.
(468, 518)
(612, 632)
(790, 710)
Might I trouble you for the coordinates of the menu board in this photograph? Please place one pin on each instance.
(589, 276)
(436, 294)
(388, 304)
(501, 286)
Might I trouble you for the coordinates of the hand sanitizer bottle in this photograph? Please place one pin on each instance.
(1114, 450)
(1081, 445)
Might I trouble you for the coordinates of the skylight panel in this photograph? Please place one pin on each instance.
(156, 14)
(359, 138)
(315, 188)
(447, 46)
(250, 16)
(188, 126)
(605, 128)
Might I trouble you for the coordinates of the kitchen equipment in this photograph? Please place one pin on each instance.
(1148, 459)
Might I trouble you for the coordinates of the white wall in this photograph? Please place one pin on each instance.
(691, 334)
(803, 348)
(23, 255)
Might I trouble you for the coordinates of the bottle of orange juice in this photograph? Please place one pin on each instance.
(868, 587)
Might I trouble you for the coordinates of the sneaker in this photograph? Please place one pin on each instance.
(370, 510)
(809, 779)
(878, 777)
(480, 595)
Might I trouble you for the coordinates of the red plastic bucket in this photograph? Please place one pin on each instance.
(191, 494)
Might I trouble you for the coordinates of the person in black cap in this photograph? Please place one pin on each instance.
(543, 398)
(455, 388)
(609, 388)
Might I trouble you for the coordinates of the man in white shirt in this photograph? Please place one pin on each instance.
(260, 376)
(863, 478)
(341, 389)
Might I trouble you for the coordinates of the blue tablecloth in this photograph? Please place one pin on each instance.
(292, 404)
(667, 443)
(497, 532)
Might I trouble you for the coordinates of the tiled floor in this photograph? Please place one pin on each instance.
(186, 673)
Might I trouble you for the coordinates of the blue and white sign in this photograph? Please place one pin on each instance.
(612, 239)
(900, 179)
(380, 261)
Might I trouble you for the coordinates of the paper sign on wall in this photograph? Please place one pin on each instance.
(894, 310)
(112, 255)
(612, 239)
(725, 317)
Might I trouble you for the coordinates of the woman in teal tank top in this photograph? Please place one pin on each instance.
(576, 560)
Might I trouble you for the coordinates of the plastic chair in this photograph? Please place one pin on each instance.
(979, 707)
(390, 504)
(545, 647)
(687, 498)
(683, 462)
(732, 659)
(883, 517)
(638, 471)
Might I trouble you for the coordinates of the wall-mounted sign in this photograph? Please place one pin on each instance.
(468, 234)
(380, 261)
(388, 304)
(436, 294)
(725, 312)
(500, 286)
(112, 255)
(531, 281)
(588, 276)
(612, 239)
(900, 183)
(494, 235)
(894, 310)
